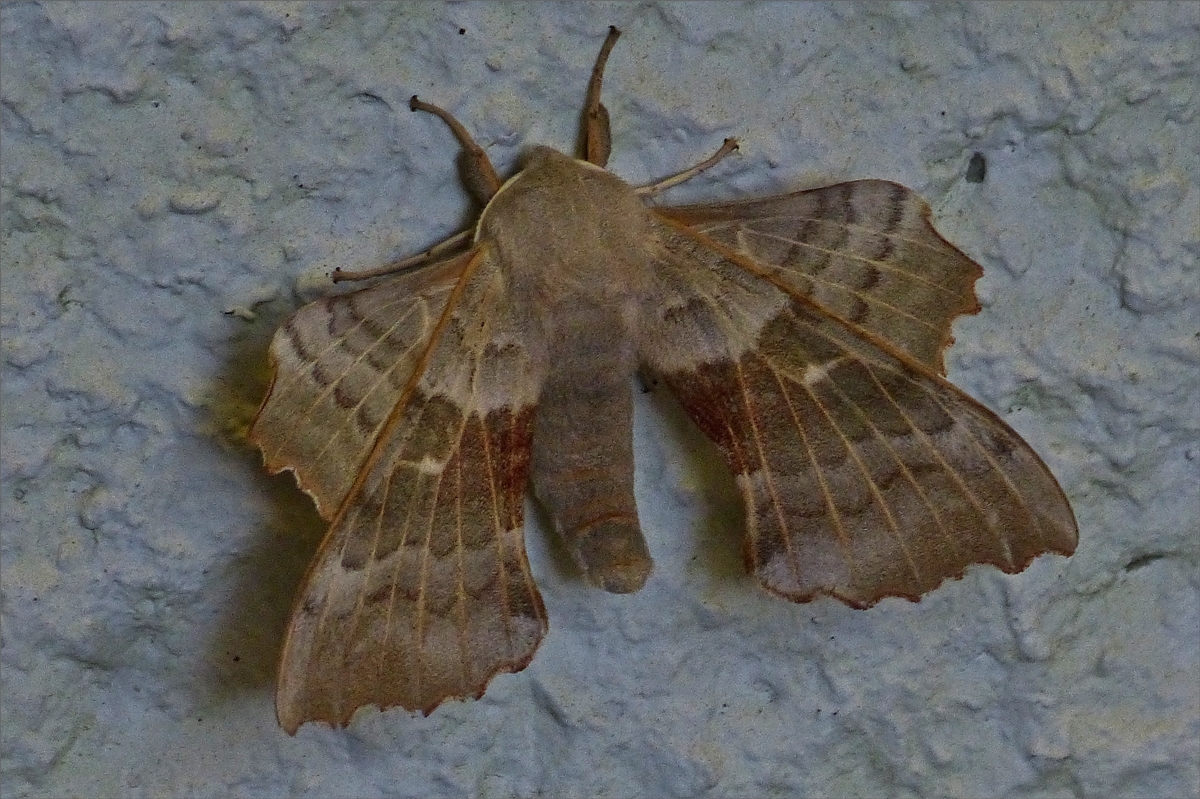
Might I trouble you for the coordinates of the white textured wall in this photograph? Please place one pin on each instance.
(178, 178)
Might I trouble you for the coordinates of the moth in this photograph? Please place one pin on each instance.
(803, 333)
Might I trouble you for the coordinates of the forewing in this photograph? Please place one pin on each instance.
(864, 250)
(340, 365)
(864, 474)
(421, 590)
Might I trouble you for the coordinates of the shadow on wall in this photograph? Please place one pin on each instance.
(262, 579)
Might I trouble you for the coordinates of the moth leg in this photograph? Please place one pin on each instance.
(597, 139)
(727, 147)
(451, 244)
(477, 170)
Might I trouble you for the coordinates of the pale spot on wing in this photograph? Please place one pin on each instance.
(816, 372)
(431, 465)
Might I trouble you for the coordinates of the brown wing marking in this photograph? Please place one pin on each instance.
(865, 250)
(421, 590)
(864, 474)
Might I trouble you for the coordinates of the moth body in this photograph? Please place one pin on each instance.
(573, 242)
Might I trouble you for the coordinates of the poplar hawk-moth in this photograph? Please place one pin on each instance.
(803, 333)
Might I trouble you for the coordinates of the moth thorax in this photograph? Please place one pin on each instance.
(562, 227)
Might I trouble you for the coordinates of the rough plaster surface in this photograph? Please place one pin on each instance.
(178, 178)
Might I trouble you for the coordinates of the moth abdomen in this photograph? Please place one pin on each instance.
(583, 445)
(612, 552)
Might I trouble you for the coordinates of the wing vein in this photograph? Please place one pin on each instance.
(908, 475)
(723, 224)
(461, 587)
(883, 265)
(1008, 484)
(843, 535)
(866, 474)
(348, 419)
(932, 447)
(395, 581)
(767, 474)
(335, 343)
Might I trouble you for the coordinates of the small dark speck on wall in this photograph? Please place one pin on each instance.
(977, 168)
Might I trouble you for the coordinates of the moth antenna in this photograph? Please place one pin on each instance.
(597, 138)
(478, 172)
(679, 177)
(451, 244)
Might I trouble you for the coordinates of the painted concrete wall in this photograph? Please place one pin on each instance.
(179, 178)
